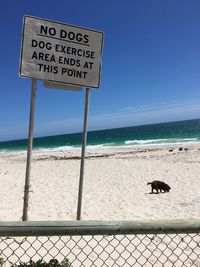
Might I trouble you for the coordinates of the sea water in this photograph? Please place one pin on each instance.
(173, 133)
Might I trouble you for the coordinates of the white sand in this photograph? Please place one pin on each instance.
(115, 184)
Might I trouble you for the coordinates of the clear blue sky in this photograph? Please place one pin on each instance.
(150, 66)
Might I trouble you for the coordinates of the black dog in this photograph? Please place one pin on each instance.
(158, 185)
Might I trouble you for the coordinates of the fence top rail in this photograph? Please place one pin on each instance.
(50, 228)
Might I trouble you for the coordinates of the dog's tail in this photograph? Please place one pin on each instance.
(149, 183)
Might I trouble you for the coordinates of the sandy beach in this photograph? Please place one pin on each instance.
(115, 184)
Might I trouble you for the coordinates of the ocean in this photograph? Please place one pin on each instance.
(174, 133)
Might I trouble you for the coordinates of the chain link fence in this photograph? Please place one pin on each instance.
(154, 243)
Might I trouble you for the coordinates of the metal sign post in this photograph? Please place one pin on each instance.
(84, 141)
(29, 152)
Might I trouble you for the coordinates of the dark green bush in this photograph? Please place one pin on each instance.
(40, 263)
(1, 261)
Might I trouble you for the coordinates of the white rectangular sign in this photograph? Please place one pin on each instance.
(61, 53)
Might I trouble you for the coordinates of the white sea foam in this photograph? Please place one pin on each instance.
(161, 142)
(76, 147)
(56, 148)
(95, 146)
(141, 142)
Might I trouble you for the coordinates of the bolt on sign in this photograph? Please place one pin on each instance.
(61, 53)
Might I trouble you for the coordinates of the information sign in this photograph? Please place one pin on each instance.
(61, 53)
